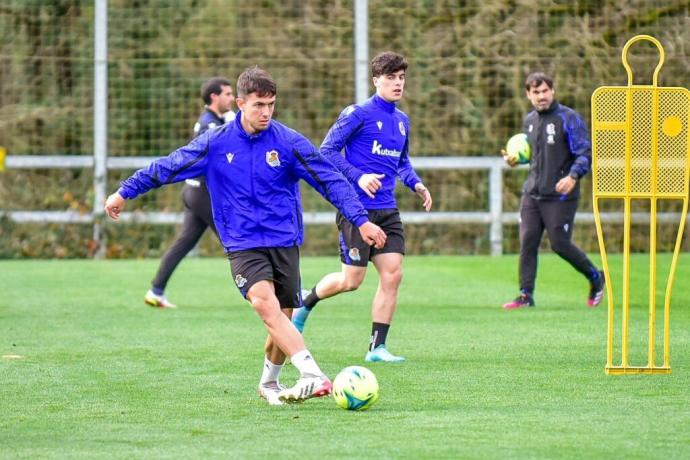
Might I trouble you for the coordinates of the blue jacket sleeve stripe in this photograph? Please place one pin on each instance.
(347, 125)
(579, 143)
(322, 187)
(337, 190)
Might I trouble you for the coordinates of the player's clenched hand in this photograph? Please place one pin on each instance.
(370, 183)
(424, 194)
(114, 205)
(372, 234)
(512, 161)
(565, 185)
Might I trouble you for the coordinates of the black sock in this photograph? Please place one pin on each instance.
(379, 331)
(311, 300)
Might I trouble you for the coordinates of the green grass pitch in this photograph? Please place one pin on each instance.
(103, 376)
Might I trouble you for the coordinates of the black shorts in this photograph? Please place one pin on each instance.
(354, 251)
(280, 265)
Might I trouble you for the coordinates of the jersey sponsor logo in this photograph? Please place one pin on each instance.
(377, 149)
(379, 124)
(354, 254)
(401, 127)
(240, 281)
(272, 158)
(229, 156)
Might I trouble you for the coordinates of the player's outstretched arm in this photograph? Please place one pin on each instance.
(372, 234)
(424, 194)
(114, 205)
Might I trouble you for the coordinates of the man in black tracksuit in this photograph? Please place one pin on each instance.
(218, 97)
(561, 153)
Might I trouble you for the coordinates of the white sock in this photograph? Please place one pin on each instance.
(305, 363)
(271, 371)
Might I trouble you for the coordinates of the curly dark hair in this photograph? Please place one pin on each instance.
(387, 63)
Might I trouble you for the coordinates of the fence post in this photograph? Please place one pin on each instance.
(100, 121)
(361, 50)
(496, 208)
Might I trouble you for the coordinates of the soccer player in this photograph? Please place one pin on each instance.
(375, 139)
(252, 168)
(218, 98)
(561, 154)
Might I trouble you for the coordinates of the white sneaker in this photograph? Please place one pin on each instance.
(269, 391)
(308, 386)
(158, 301)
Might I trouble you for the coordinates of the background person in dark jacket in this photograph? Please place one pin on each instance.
(561, 155)
(218, 98)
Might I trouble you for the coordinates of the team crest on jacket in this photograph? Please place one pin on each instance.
(240, 281)
(551, 131)
(401, 127)
(354, 254)
(229, 156)
(272, 158)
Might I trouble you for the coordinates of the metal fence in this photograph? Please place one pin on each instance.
(93, 83)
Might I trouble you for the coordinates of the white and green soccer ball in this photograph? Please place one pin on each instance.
(355, 388)
(518, 149)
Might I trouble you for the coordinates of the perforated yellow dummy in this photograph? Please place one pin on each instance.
(640, 151)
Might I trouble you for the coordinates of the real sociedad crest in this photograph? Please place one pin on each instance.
(229, 156)
(240, 281)
(354, 254)
(272, 158)
(401, 127)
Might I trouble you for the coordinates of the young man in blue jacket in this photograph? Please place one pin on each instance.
(218, 98)
(252, 168)
(561, 154)
(374, 136)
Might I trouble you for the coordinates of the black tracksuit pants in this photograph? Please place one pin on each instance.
(197, 217)
(557, 218)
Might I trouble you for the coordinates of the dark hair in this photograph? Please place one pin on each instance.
(387, 63)
(213, 86)
(536, 79)
(256, 80)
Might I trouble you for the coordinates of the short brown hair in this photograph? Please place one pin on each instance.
(256, 80)
(213, 86)
(387, 63)
(536, 79)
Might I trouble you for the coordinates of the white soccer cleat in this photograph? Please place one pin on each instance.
(270, 391)
(308, 386)
(158, 301)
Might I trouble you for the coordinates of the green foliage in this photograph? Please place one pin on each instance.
(468, 61)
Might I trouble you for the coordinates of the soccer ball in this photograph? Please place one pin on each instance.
(518, 148)
(355, 388)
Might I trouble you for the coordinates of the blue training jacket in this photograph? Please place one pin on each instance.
(253, 182)
(374, 135)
